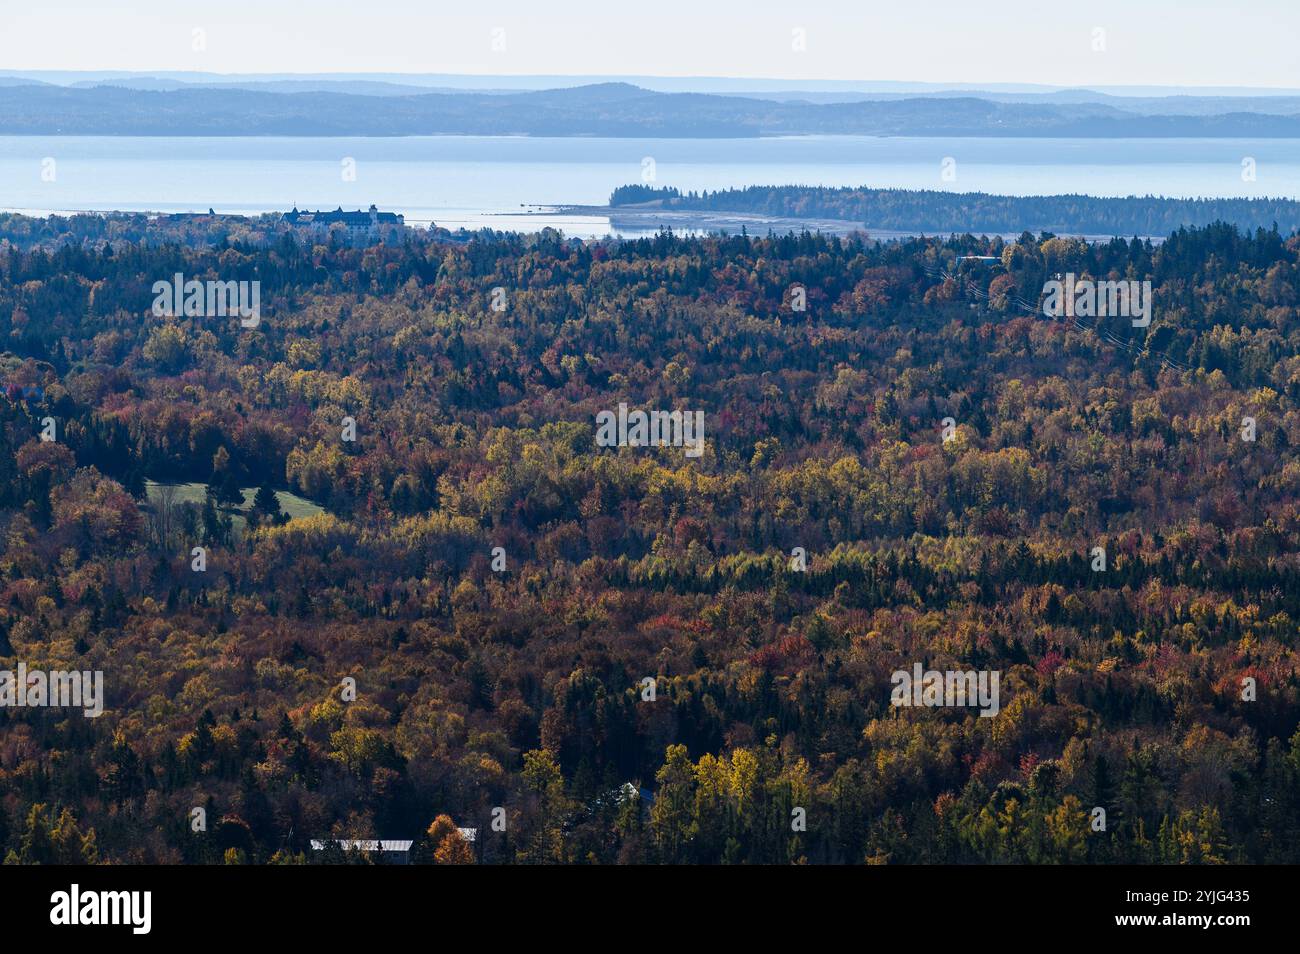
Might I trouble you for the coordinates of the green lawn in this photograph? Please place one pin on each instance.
(294, 506)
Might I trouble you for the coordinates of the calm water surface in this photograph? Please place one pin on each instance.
(489, 181)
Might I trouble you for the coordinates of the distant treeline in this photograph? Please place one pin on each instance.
(599, 109)
(977, 212)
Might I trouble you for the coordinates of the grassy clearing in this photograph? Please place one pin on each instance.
(294, 506)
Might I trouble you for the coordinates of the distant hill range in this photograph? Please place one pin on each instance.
(166, 107)
(943, 213)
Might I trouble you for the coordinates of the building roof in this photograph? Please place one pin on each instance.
(357, 219)
(363, 844)
(371, 844)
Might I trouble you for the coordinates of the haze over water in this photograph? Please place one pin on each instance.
(484, 181)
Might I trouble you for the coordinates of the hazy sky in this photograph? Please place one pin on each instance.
(1152, 42)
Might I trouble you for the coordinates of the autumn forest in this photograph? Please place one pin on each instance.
(471, 615)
